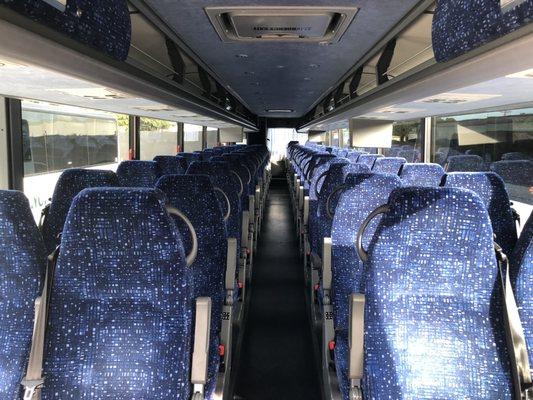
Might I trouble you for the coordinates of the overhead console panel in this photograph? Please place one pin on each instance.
(307, 24)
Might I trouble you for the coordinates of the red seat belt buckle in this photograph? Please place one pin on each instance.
(221, 350)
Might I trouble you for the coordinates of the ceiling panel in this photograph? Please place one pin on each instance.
(281, 75)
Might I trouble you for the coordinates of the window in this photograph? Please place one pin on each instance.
(192, 140)
(57, 137)
(407, 139)
(212, 137)
(490, 137)
(158, 138)
(345, 138)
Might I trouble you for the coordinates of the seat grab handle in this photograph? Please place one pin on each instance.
(383, 209)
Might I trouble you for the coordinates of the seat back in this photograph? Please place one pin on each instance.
(69, 184)
(355, 203)
(388, 165)
(411, 155)
(522, 277)
(516, 156)
(22, 265)
(491, 189)
(169, 165)
(433, 325)
(419, 174)
(465, 163)
(194, 196)
(368, 159)
(121, 306)
(135, 173)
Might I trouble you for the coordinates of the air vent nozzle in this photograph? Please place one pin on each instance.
(307, 24)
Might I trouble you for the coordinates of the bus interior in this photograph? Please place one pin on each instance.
(265, 200)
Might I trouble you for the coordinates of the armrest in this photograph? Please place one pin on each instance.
(231, 264)
(251, 207)
(300, 197)
(245, 227)
(306, 210)
(200, 355)
(326, 264)
(356, 336)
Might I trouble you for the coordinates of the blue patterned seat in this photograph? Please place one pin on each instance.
(194, 196)
(522, 277)
(420, 174)
(411, 155)
(433, 325)
(465, 163)
(222, 178)
(69, 184)
(353, 155)
(518, 178)
(22, 265)
(121, 307)
(363, 194)
(169, 165)
(368, 159)
(516, 155)
(491, 189)
(137, 173)
(388, 165)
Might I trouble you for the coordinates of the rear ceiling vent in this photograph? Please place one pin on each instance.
(302, 24)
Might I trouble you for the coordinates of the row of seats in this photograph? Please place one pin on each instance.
(147, 276)
(406, 285)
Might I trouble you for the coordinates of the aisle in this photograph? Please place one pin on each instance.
(277, 361)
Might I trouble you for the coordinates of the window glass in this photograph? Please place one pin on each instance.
(407, 139)
(212, 137)
(278, 139)
(158, 138)
(57, 137)
(345, 137)
(192, 140)
(491, 138)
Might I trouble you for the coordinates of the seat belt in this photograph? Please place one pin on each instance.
(34, 379)
(516, 341)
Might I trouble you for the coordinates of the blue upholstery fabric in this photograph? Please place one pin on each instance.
(491, 189)
(103, 24)
(169, 165)
(69, 184)
(222, 178)
(419, 174)
(522, 276)
(388, 165)
(433, 326)
(121, 308)
(22, 265)
(353, 155)
(516, 155)
(465, 163)
(354, 169)
(194, 196)
(367, 192)
(515, 172)
(138, 173)
(411, 155)
(459, 26)
(368, 159)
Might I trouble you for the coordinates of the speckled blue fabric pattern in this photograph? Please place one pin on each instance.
(522, 277)
(102, 24)
(222, 178)
(363, 195)
(517, 172)
(69, 184)
(459, 26)
(354, 169)
(169, 165)
(465, 163)
(432, 330)
(516, 155)
(137, 173)
(491, 189)
(353, 156)
(388, 165)
(22, 265)
(368, 159)
(419, 174)
(194, 196)
(411, 155)
(121, 306)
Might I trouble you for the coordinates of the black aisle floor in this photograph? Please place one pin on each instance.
(277, 360)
